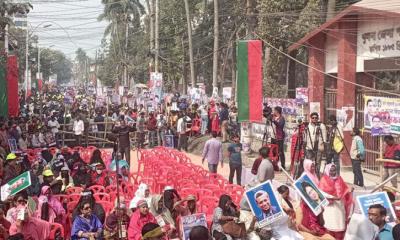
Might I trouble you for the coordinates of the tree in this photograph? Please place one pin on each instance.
(189, 29)
(82, 65)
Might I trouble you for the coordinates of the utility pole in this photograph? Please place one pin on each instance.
(27, 82)
(156, 29)
(191, 61)
(216, 38)
(126, 52)
(95, 71)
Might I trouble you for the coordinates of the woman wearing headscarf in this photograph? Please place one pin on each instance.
(226, 211)
(80, 175)
(143, 192)
(97, 209)
(159, 211)
(49, 208)
(340, 201)
(309, 170)
(86, 226)
(139, 218)
(30, 227)
(96, 157)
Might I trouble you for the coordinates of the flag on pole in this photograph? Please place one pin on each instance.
(3, 92)
(249, 80)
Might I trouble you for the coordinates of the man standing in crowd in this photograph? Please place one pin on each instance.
(152, 128)
(266, 169)
(213, 153)
(315, 139)
(181, 129)
(377, 214)
(336, 145)
(99, 119)
(140, 130)
(357, 155)
(54, 126)
(392, 151)
(122, 130)
(78, 129)
(223, 119)
(279, 122)
(235, 160)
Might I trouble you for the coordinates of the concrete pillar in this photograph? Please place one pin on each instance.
(346, 92)
(316, 76)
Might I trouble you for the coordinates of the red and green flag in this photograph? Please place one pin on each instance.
(249, 80)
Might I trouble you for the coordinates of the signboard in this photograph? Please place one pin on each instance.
(301, 95)
(289, 106)
(315, 107)
(382, 115)
(346, 118)
(15, 185)
(310, 194)
(12, 143)
(188, 222)
(377, 39)
(264, 204)
(365, 201)
(156, 82)
(226, 93)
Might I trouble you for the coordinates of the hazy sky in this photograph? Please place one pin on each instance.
(73, 24)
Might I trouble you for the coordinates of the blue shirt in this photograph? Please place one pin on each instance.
(235, 157)
(386, 233)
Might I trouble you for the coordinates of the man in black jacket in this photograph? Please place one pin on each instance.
(122, 130)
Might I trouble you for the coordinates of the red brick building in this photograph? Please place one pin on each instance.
(362, 39)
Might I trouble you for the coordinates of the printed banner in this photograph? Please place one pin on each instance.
(188, 222)
(346, 118)
(310, 194)
(365, 201)
(15, 185)
(156, 80)
(315, 107)
(382, 115)
(226, 93)
(264, 204)
(301, 95)
(12, 143)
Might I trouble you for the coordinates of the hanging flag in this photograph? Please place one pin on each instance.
(249, 82)
(3, 89)
(12, 86)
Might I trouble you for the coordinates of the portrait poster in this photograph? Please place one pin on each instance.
(301, 95)
(346, 117)
(169, 141)
(13, 145)
(382, 115)
(310, 193)
(264, 204)
(365, 201)
(315, 107)
(226, 93)
(188, 222)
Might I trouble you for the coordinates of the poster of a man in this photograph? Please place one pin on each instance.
(264, 204)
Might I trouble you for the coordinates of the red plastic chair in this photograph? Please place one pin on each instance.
(184, 192)
(101, 196)
(208, 204)
(212, 187)
(202, 192)
(107, 206)
(73, 197)
(54, 227)
(97, 188)
(71, 207)
(72, 190)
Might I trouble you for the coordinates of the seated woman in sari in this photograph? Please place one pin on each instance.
(139, 218)
(49, 208)
(97, 209)
(340, 201)
(86, 225)
(311, 226)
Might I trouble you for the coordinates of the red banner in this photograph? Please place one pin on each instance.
(12, 86)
